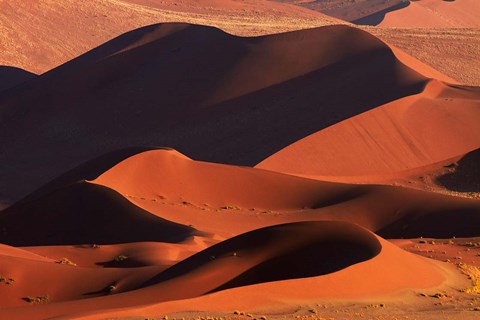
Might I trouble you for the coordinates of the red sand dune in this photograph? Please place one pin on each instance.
(221, 202)
(165, 186)
(355, 11)
(91, 104)
(176, 188)
(432, 126)
(43, 34)
(122, 231)
(363, 280)
(400, 13)
(244, 261)
(434, 14)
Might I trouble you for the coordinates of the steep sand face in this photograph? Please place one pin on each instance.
(433, 126)
(40, 35)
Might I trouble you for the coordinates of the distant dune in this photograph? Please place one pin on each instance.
(355, 11)
(430, 30)
(399, 13)
(433, 14)
(40, 35)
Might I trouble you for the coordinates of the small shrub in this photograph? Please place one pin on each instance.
(120, 258)
(37, 299)
(230, 208)
(7, 281)
(472, 244)
(66, 261)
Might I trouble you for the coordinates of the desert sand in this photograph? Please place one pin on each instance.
(236, 160)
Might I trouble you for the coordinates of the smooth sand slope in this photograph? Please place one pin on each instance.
(243, 99)
(256, 252)
(412, 132)
(40, 35)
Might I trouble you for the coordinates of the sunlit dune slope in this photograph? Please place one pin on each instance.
(416, 131)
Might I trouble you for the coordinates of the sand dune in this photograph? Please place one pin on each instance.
(399, 13)
(101, 215)
(373, 281)
(253, 252)
(239, 262)
(433, 31)
(295, 165)
(178, 189)
(148, 68)
(169, 191)
(415, 131)
(432, 14)
(39, 36)
(355, 11)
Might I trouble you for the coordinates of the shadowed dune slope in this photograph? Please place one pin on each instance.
(416, 131)
(243, 99)
(275, 253)
(83, 213)
(11, 76)
(465, 174)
